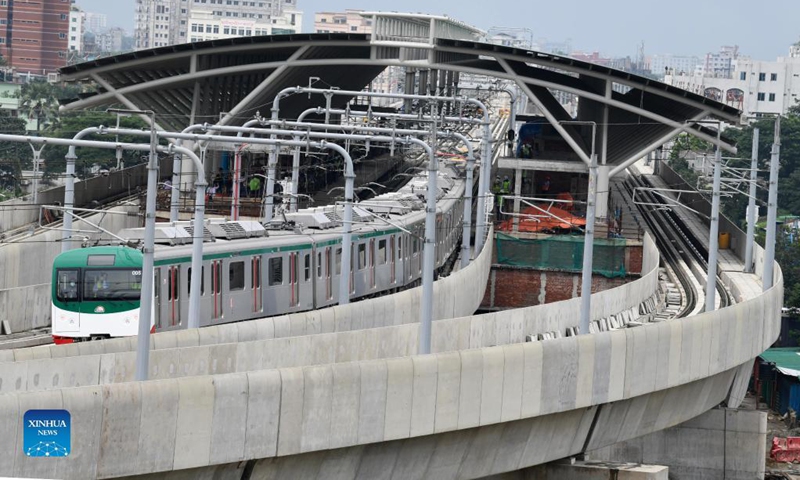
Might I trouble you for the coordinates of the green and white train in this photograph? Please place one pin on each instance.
(250, 271)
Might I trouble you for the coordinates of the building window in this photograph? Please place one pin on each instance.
(275, 271)
(762, 77)
(761, 97)
(62, 35)
(742, 75)
(63, 16)
(773, 77)
(354, 28)
(771, 97)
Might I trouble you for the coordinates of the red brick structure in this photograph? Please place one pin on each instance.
(33, 34)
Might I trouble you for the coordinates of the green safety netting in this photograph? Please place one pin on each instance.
(561, 252)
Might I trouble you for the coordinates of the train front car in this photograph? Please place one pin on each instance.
(96, 293)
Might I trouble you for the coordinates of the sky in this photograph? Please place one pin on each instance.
(763, 30)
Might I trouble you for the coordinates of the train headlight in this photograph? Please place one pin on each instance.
(99, 309)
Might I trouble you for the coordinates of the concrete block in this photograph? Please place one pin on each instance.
(317, 413)
(297, 324)
(542, 430)
(342, 317)
(313, 323)
(448, 454)
(513, 368)
(291, 413)
(675, 349)
(68, 372)
(263, 414)
(469, 404)
(11, 417)
(163, 340)
(246, 332)
(345, 404)
(265, 328)
(377, 462)
(341, 464)
(250, 355)
(189, 337)
(532, 379)
(229, 418)
(423, 402)
(372, 401)
(323, 349)
(13, 377)
(399, 390)
(512, 445)
(193, 361)
(221, 359)
(85, 406)
(448, 391)
(163, 364)
(601, 377)
(195, 416)
(586, 369)
(561, 356)
(616, 382)
(122, 416)
(158, 424)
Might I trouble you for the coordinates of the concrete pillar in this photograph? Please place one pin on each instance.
(721, 443)
(602, 191)
(422, 83)
(411, 79)
(517, 193)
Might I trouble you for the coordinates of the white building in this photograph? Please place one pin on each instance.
(167, 22)
(96, 22)
(349, 21)
(755, 87)
(76, 29)
(673, 64)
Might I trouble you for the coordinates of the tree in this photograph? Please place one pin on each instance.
(72, 123)
(39, 100)
(13, 155)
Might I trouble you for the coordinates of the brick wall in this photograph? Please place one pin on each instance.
(517, 287)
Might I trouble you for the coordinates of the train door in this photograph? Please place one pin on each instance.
(294, 298)
(328, 280)
(392, 263)
(174, 295)
(371, 263)
(255, 283)
(157, 297)
(216, 289)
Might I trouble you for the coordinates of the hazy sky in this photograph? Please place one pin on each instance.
(763, 30)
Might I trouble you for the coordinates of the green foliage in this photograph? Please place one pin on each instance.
(13, 156)
(39, 100)
(72, 123)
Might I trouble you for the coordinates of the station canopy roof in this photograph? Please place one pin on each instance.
(229, 81)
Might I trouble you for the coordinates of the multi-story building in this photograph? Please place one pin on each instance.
(109, 41)
(96, 22)
(756, 87)
(168, 22)
(673, 64)
(35, 35)
(76, 29)
(349, 21)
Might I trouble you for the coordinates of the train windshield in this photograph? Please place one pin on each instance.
(67, 288)
(112, 284)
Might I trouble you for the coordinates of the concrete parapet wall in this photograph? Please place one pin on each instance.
(203, 351)
(627, 383)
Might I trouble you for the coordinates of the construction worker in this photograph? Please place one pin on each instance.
(497, 188)
(255, 186)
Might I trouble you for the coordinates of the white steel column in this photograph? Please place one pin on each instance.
(713, 236)
(752, 218)
(517, 194)
(772, 208)
(602, 190)
(588, 249)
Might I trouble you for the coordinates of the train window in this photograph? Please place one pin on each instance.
(319, 264)
(67, 285)
(307, 266)
(202, 281)
(414, 247)
(100, 260)
(172, 293)
(362, 255)
(236, 276)
(116, 284)
(338, 261)
(275, 271)
(381, 252)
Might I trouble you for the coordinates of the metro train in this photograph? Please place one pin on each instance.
(252, 271)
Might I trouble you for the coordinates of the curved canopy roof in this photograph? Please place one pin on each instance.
(228, 81)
